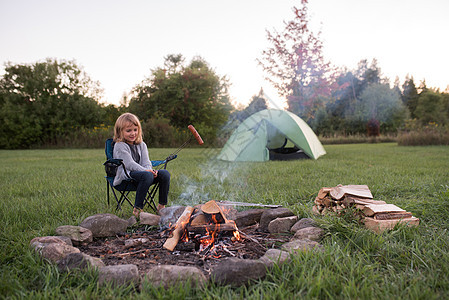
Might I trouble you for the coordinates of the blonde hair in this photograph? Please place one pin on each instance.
(124, 121)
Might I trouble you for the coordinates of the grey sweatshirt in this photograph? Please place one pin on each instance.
(123, 151)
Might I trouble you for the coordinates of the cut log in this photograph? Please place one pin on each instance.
(318, 201)
(372, 209)
(316, 210)
(203, 229)
(364, 201)
(324, 192)
(199, 219)
(180, 226)
(379, 226)
(328, 202)
(211, 207)
(392, 216)
(340, 191)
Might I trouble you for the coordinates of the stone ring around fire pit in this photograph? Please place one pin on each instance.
(126, 252)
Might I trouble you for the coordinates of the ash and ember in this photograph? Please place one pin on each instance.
(144, 248)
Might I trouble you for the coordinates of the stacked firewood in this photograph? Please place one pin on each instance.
(376, 215)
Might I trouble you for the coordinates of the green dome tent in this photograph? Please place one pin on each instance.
(272, 134)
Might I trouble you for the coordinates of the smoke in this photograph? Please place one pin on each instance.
(215, 177)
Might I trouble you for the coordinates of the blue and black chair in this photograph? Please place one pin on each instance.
(121, 194)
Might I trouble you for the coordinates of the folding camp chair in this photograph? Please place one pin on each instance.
(111, 166)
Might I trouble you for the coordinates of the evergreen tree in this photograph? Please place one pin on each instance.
(410, 95)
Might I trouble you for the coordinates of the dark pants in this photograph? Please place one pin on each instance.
(145, 180)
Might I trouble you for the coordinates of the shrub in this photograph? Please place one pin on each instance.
(356, 139)
(159, 133)
(80, 138)
(415, 134)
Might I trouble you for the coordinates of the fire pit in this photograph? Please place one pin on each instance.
(201, 237)
(205, 242)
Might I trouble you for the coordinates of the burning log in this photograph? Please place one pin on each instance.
(214, 213)
(180, 226)
(202, 229)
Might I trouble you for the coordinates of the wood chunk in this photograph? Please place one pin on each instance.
(323, 192)
(364, 201)
(181, 224)
(360, 206)
(328, 202)
(372, 209)
(392, 216)
(199, 219)
(340, 191)
(379, 226)
(211, 207)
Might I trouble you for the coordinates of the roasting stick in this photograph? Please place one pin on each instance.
(180, 226)
(248, 204)
(195, 134)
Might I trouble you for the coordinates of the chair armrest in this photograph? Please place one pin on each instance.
(171, 157)
(115, 161)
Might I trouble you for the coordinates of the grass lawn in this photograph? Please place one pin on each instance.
(43, 189)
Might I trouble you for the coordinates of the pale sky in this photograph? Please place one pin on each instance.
(119, 42)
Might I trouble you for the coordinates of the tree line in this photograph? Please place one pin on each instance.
(44, 103)
(55, 103)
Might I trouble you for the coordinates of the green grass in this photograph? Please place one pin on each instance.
(43, 189)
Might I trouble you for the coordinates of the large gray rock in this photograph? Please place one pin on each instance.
(311, 233)
(168, 275)
(271, 214)
(79, 261)
(119, 275)
(56, 251)
(274, 256)
(149, 219)
(79, 235)
(131, 221)
(303, 223)
(302, 245)
(282, 225)
(236, 272)
(248, 217)
(39, 242)
(169, 215)
(104, 225)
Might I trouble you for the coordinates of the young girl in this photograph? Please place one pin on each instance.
(130, 147)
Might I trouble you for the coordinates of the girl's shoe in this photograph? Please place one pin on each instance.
(159, 207)
(137, 211)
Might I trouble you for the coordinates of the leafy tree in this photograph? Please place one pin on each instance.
(44, 100)
(295, 66)
(184, 95)
(432, 107)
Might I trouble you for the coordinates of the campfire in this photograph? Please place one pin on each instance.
(204, 226)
